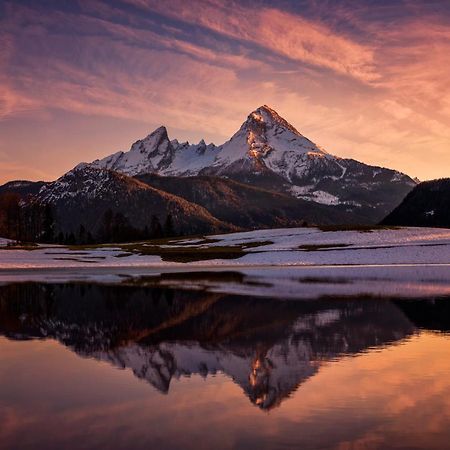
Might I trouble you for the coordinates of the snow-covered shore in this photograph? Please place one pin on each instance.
(293, 263)
(4, 242)
(274, 248)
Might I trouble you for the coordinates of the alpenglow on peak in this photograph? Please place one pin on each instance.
(264, 141)
(267, 151)
(265, 114)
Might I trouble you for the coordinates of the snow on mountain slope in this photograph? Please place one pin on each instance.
(156, 154)
(268, 152)
(84, 194)
(267, 141)
(191, 159)
(263, 136)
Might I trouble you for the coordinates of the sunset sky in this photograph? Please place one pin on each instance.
(80, 79)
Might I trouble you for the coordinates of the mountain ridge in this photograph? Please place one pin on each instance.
(246, 205)
(83, 195)
(269, 152)
(266, 175)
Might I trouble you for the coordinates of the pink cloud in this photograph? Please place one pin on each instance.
(397, 117)
(286, 34)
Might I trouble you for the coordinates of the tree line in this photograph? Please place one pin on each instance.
(115, 227)
(25, 222)
(32, 221)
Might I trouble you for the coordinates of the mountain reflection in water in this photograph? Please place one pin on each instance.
(268, 347)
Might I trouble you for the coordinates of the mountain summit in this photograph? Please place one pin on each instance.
(268, 152)
(151, 154)
(264, 141)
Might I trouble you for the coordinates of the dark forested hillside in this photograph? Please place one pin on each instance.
(427, 205)
(22, 188)
(92, 205)
(248, 206)
(83, 196)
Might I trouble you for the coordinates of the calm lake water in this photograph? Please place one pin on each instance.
(88, 366)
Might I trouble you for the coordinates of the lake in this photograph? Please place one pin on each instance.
(118, 366)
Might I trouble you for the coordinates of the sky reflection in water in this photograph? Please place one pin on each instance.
(208, 370)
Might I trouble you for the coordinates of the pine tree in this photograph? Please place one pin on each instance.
(11, 216)
(105, 231)
(155, 228)
(70, 239)
(48, 224)
(121, 229)
(146, 233)
(168, 226)
(82, 235)
(60, 238)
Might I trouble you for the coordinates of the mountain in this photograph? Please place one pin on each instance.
(23, 188)
(269, 152)
(248, 206)
(266, 175)
(427, 205)
(157, 154)
(83, 196)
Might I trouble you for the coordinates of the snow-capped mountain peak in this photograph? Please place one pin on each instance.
(269, 152)
(266, 141)
(153, 153)
(157, 154)
(268, 116)
(153, 141)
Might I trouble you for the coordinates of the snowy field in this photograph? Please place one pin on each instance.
(311, 246)
(295, 262)
(4, 242)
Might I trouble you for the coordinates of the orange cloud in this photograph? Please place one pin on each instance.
(282, 33)
(385, 103)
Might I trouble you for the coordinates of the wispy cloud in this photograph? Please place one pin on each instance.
(371, 88)
(289, 35)
(11, 101)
